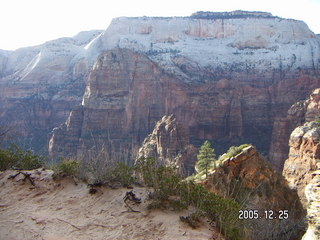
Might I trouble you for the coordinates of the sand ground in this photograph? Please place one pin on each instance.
(53, 210)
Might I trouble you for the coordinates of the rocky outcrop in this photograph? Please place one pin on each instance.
(169, 145)
(312, 193)
(299, 113)
(301, 168)
(248, 178)
(40, 85)
(303, 157)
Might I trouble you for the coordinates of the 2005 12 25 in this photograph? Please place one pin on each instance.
(266, 214)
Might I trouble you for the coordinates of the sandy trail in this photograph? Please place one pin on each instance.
(53, 210)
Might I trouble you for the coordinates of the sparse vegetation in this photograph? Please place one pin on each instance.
(170, 190)
(16, 158)
(66, 167)
(233, 151)
(122, 174)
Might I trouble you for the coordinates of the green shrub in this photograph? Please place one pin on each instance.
(193, 219)
(171, 190)
(67, 167)
(122, 174)
(164, 180)
(7, 160)
(233, 151)
(145, 169)
(317, 120)
(16, 158)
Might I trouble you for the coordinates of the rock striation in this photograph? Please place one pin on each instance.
(169, 145)
(248, 178)
(233, 14)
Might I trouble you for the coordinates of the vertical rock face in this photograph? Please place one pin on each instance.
(40, 85)
(300, 112)
(301, 169)
(303, 157)
(169, 145)
(312, 193)
(248, 178)
(227, 78)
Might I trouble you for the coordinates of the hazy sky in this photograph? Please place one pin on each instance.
(31, 22)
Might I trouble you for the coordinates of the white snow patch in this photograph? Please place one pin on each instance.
(34, 62)
(92, 41)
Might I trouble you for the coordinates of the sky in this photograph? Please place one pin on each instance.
(31, 22)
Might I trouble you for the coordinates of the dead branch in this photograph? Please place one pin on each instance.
(61, 220)
(131, 209)
(26, 176)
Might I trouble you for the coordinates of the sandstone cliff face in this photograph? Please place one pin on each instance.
(169, 145)
(40, 85)
(225, 79)
(248, 178)
(312, 193)
(301, 169)
(300, 112)
(303, 156)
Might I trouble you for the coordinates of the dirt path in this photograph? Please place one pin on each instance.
(62, 210)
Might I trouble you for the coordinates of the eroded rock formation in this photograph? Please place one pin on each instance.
(303, 156)
(299, 113)
(312, 193)
(301, 169)
(248, 178)
(169, 145)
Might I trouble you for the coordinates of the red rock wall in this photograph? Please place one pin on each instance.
(127, 93)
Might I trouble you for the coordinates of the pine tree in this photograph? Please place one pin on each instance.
(206, 158)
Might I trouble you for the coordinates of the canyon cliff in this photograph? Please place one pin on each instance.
(40, 85)
(303, 157)
(312, 193)
(299, 113)
(301, 169)
(227, 78)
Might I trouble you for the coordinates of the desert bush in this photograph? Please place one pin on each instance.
(164, 180)
(122, 174)
(233, 151)
(16, 158)
(317, 120)
(66, 167)
(7, 160)
(215, 208)
(193, 219)
(170, 190)
(145, 170)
